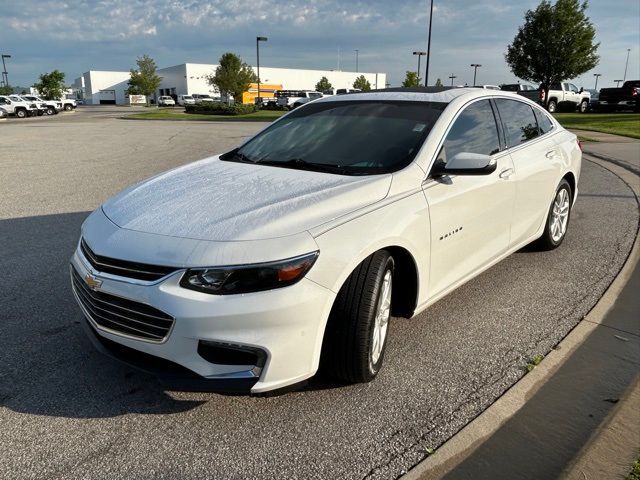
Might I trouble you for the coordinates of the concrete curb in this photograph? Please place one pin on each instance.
(466, 441)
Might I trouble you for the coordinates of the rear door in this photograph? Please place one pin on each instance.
(470, 216)
(536, 162)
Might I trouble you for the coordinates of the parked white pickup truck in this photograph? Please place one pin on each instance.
(567, 93)
(294, 98)
(68, 104)
(50, 107)
(15, 105)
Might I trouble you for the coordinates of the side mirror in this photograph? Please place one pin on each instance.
(581, 90)
(465, 163)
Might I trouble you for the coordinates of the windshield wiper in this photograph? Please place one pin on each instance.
(236, 156)
(300, 164)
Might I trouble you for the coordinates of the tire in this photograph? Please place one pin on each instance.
(552, 237)
(21, 113)
(67, 108)
(584, 106)
(51, 111)
(356, 334)
(552, 106)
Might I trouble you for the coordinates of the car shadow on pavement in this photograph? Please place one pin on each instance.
(47, 365)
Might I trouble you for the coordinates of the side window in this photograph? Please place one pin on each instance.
(474, 131)
(519, 121)
(544, 122)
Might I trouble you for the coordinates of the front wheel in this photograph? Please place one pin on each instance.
(67, 107)
(356, 333)
(552, 106)
(557, 218)
(21, 113)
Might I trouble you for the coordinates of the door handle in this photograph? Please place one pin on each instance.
(551, 154)
(506, 173)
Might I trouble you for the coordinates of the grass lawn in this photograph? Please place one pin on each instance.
(178, 114)
(626, 124)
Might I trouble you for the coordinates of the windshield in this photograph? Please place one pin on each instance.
(348, 138)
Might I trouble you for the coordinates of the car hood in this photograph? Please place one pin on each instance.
(226, 201)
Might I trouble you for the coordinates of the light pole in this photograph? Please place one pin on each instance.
(597, 75)
(258, 40)
(426, 73)
(626, 64)
(356, 50)
(452, 76)
(5, 75)
(419, 54)
(618, 82)
(475, 69)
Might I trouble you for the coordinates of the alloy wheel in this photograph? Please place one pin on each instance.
(560, 215)
(381, 321)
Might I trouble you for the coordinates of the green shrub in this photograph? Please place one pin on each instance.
(219, 108)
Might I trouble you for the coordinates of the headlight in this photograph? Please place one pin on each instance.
(248, 278)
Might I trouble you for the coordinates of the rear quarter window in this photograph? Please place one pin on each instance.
(544, 122)
(519, 121)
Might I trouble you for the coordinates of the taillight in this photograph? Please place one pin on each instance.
(541, 95)
(634, 91)
(579, 144)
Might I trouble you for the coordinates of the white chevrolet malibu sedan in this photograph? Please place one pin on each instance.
(251, 270)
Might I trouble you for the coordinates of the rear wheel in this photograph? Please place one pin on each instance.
(584, 106)
(557, 218)
(356, 334)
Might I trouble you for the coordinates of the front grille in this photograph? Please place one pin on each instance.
(120, 314)
(124, 268)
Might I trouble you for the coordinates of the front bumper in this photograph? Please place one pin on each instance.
(286, 324)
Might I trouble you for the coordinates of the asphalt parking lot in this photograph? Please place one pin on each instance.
(68, 412)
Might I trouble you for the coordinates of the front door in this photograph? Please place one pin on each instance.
(470, 216)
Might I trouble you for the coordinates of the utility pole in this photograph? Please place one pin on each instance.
(5, 75)
(356, 50)
(258, 40)
(597, 75)
(426, 73)
(475, 69)
(419, 54)
(626, 64)
(452, 76)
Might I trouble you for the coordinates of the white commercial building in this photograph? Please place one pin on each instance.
(189, 78)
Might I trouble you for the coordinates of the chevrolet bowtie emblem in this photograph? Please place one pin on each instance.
(92, 282)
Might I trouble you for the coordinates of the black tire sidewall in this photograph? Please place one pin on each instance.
(552, 106)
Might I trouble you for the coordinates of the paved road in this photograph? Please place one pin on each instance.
(67, 412)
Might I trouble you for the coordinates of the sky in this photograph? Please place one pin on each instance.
(75, 36)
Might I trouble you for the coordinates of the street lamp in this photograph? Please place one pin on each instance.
(475, 69)
(258, 40)
(452, 76)
(426, 73)
(356, 50)
(626, 64)
(618, 82)
(419, 54)
(597, 75)
(5, 75)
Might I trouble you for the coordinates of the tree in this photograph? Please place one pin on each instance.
(438, 83)
(323, 85)
(144, 80)
(232, 76)
(556, 43)
(411, 79)
(6, 89)
(51, 85)
(362, 84)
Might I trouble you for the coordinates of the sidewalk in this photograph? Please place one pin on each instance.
(576, 418)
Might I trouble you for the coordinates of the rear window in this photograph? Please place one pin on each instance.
(519, 121)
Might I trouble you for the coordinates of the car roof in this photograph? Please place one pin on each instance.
(417, 94)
